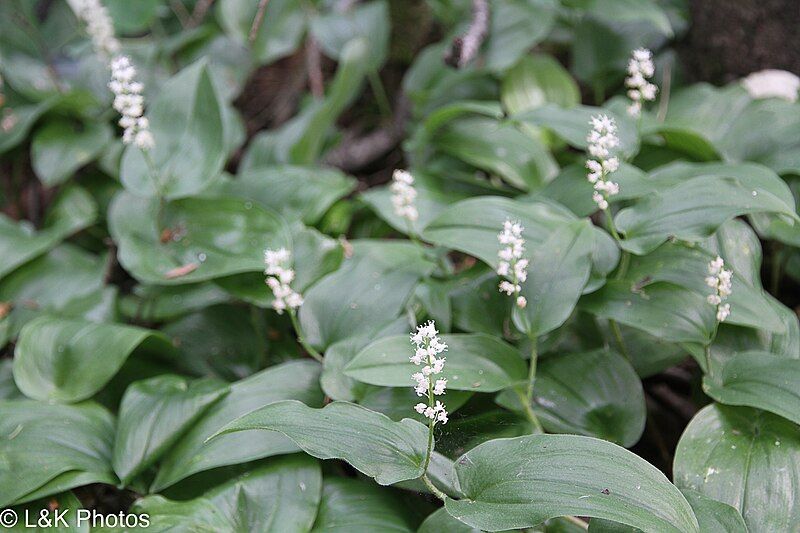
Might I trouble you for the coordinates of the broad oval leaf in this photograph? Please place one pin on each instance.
(521, 482)
(60, 148)
(368, 291)
(192, 454)
(371, 442)
(65, 361)
(43, 442)
(535, 81)
(189, 150)
(597, 394)
(354, 506)
(695, 208)
(758, 379)
(744, 457)
(281, 496)
(474, 363)
(73, 210)
(515, 26)
(154, 414)
(194, 239)
(296, 192)
(714, 516)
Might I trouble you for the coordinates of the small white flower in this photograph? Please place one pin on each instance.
(130, 104)
(404, 195)
(721, 281)
(772, 83)
(427, 346)
(640, 69)
(279, 276)
(511, 261)
(99, 26)
(602, 139)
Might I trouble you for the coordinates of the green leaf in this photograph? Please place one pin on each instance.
(319, 119)
(354, 506)
(220, 341)
(59, 282)
(474, 363)
(520, 482)
(22, 119)
(42, 442)
(369, 290)
(695, 208)
(281, 496)
(515, 26)
(371, 442)
(277, 39)
(59, 148)
(627, 11)
(597, 394)
(189, 150)
(72, 211)
(65, 361)
(295, 380)
(369, 21)
(663, 310)
(574, 124)
(439, 521)
(687, 267)
(194, 239)
(758, 379)
(155, 303)
(714, 516)
(65, 503)
(535, 81)
(746, 458)
(500, 148)
(295, 192)
(154, 414)
(558, 272)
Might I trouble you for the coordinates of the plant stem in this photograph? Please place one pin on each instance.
(577, 521)
(626, 256)
(618, 336)
(302, 339)
(526, 398)
(380, 93)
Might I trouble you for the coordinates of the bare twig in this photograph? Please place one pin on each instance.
(465, 47)
(357, 152)
(259, 18)
(199, 12)
(314, 67)
(181, 12)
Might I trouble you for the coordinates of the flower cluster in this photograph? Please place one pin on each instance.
(511, 262)
(719, 279)
(772, 83)
(602, 139)
(99, 26)
(640, 69)
(427, 348)
(279, 278)
(128, 100)
(403, 195)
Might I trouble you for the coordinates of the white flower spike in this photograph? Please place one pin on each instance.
(602, 140)
(427, 347)
(404, 195)
(99, 26)
(640, 69)
(128, 100)
(720, 280)
(511, 263)
(279, 279)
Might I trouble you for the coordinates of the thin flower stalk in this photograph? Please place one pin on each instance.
(640, 90)
(511, 262)
(279, 277)
(428, 350)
